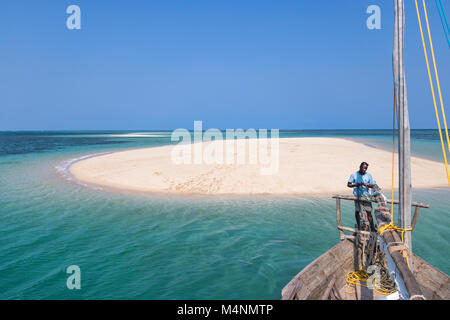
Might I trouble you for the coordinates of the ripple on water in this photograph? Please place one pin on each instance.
(155, 247)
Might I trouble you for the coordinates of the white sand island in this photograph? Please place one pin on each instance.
(305, 166)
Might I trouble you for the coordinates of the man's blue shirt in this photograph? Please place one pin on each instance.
(361, 191)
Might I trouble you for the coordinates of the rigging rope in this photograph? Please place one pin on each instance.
(393, 159)
(385, 286)
(432, 87)
(391, 225)
(443, 18)
(436, 73)
(361, 277)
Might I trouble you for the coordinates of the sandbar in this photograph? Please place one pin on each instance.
(305, 166)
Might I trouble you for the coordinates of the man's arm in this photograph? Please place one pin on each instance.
(352, 185)
(351, 181)
(371, 183)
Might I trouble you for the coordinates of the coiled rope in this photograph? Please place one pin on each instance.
(386, 286)
(391, 225)
(360, 278)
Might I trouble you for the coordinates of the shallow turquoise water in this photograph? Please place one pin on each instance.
(134, 246)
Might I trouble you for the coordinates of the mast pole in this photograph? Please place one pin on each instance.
(404, 148)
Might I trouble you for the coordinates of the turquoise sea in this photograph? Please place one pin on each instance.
(137, 246)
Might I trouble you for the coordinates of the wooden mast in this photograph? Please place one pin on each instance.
(404, 148)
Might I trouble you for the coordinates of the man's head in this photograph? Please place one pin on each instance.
(363, 167)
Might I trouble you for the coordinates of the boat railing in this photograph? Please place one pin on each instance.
(393, 245)
(341, 228)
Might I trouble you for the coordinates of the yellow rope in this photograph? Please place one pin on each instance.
(354, 278)
(432, 88)
(391, 226)
(436, 74)
(360, 277)
(393, 161)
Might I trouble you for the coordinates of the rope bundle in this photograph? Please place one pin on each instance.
(385, 286)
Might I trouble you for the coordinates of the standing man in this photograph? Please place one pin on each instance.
(361, 181)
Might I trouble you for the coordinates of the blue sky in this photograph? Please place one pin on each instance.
(252, 64)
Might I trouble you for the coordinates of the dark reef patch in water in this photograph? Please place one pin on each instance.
(31, 143)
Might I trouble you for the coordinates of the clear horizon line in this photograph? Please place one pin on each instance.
(189, 129)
